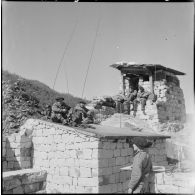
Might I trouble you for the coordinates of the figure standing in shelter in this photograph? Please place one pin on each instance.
(142, 97)
(130, 100)
(60, 111)
(142, 167)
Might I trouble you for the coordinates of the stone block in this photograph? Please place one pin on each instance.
(10, 165)
(120, 160)
(29, 188)
(90, 190)
(10, 153)
(93, 145)
(106, 154)
(105, 188)
(116, 169)
(105, 171)
(57, 138)
(130, 152)
(95, 153)
(39, 176)
(64, 171)
(95, 172)
(123, 176)
(4, 165)
(124, 152)
(62, 179)
(87, 153)
(103, 163)
(69, 162)
(119, 187)
(117, 152)
(17, 152)
(119, 145)
(125, 145)
(18, 190)
(87, 181)
(79, 189)
(11, 184)
(85, 172)
(106, 145)
(111, 162)
(88, 163)
(74, 171)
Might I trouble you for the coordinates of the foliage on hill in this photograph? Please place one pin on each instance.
(23, 99)
(42, 92)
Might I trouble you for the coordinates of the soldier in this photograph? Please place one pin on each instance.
(60, 111)
(142, 98)
(130, 99)
(119, 100)
(80, 115)
(142, 167)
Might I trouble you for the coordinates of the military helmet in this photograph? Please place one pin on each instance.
(59, 98)
(82, 102)
(142, 142)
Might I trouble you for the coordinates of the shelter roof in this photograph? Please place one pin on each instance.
(116, 132)
(136, 68)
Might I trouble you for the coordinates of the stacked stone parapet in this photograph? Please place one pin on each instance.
(26, 181)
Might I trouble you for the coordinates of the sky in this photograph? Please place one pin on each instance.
(36, 34)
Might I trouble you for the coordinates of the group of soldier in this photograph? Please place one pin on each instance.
(60, 112)
(133, 97)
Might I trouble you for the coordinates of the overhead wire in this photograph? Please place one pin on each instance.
(65, 50)
(91, 55)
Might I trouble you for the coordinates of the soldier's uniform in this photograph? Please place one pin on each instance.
(60, 111)
(130, 99)
(142, 97)
(119, 100)
(142, 167)
(80, 115)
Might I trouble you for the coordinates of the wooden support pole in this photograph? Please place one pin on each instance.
(123, 83)
(151, 80)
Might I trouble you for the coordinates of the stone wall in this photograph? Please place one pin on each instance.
(26, 181)
(78, 161)
(169, 107)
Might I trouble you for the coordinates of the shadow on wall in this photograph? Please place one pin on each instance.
(10, 156)
(17, 152)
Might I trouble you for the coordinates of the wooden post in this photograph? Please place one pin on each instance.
(151, 83)
(123, 83)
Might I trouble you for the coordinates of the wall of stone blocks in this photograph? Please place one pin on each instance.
(70, 158)
(16, 152)
(76, 161)
(26, 181)
(114, 154)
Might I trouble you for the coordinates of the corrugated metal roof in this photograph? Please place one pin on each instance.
(116, 132)
(140, 68)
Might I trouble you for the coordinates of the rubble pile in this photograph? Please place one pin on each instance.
(18, 106)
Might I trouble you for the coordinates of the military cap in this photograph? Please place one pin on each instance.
(142, 142)
(81, 101)
(59, 98)
(141, 88)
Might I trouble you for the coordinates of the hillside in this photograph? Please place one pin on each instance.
(23, 99)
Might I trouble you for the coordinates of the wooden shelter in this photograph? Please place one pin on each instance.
(131, 74)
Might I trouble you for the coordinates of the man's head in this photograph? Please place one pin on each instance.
(141, 88)
(140, 143)
(82, 103)
(59, 99)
